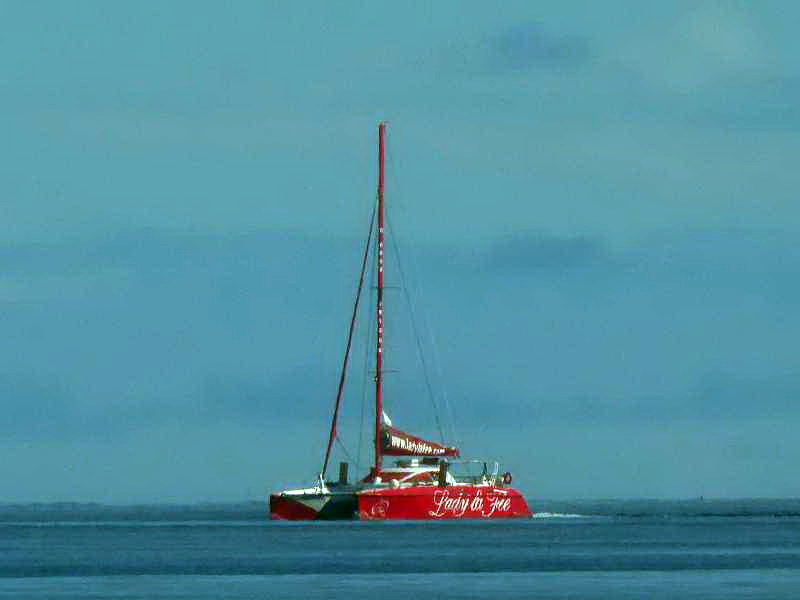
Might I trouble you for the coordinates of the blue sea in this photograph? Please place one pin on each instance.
(578, 549)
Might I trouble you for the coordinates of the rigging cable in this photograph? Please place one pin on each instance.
(416, 333)
(448, 408)
(333, 435)
(367, 356)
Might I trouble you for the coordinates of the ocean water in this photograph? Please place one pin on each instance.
(587, 549)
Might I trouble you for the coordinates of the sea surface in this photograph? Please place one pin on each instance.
(729, 549)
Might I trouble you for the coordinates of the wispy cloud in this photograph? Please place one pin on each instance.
(547, 252)
(706, 46)
(532, 45)
(715, 398)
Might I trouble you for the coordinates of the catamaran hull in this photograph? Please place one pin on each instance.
(415, 503)
(313, 507)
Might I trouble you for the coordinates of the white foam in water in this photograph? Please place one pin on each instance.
(549, 515)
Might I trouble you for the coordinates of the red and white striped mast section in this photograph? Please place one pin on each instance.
(379, 305)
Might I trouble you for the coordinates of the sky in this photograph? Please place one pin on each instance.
(594, 211)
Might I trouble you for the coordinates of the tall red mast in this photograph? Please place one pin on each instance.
(379, 307)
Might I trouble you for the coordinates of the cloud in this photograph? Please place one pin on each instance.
(706, 46)
(715, 398)
(546, 252)
(767, 105)
(504, 52)
(35, 405)
(282, 397)
(531, 45)
(153, 250)
(721, 262)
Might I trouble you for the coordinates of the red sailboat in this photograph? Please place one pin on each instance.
(424, 483)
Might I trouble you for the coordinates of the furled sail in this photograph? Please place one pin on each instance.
(398, 443)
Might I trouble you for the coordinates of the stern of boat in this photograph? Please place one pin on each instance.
(297, 505)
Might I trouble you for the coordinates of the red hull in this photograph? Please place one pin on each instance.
(413, 503)
(437, 503)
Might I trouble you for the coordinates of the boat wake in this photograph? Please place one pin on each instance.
(550, 515)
